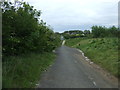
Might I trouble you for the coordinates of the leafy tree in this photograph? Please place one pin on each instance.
(99, 31)
(87, 33)
(23, 31)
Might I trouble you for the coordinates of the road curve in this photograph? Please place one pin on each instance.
(70, 70)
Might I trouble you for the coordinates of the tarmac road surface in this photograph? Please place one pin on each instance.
(70, 70)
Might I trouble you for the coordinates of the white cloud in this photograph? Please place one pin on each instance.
(67, 14)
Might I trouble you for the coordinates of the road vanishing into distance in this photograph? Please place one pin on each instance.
(71, 70)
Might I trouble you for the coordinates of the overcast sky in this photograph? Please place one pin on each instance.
(65, 15)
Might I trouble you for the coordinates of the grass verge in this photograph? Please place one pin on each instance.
(24, 71)
(102, 51)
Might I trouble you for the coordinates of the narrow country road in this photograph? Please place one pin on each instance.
(70, 70)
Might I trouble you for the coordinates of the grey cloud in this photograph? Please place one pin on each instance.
(75, 14)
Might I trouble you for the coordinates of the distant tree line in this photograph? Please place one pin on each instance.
(96, 32)
(23, 31)
(102, 31)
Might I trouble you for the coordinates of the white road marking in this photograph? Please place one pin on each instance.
(83, 54)
(80, 52)
(92, 80)
(63, 42)
(53, 51)
(94, 83)
(91, 62)
(86, 58)
(37, 84)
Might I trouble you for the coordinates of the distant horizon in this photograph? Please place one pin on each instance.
(85, 29)
(64, 15)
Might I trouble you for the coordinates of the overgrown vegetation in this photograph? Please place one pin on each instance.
(27, 44)
(24, 71)
(100, 45)
(96, 32)
(24, 32)
(100, 31)
(102, 51)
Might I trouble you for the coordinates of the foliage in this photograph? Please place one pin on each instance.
(87, 33)
(96, 32)
(27, 45)
(24, 71)
(23, 31)
(103, 51)
(99, 31)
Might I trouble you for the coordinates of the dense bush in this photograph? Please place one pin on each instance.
(24, 32)
(99, 31)
(102, 51)
(96, 32)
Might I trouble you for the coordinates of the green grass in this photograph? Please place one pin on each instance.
(102, 51)
(24, 71)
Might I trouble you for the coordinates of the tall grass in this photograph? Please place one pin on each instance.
(102, 51)
(24, 71)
